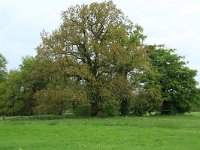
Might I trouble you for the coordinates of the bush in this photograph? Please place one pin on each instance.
(147, 101)
(82, 110)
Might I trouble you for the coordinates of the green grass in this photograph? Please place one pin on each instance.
(122, 133)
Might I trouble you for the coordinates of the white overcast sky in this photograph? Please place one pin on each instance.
(175, 23)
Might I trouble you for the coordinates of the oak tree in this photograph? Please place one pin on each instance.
(99, 52)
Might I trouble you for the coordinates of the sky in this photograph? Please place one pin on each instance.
(175, 23)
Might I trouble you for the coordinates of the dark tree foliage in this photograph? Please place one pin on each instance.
(18, 90)
(178, 85)
(3, 76)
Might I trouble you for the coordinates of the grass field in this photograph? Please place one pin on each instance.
(121, 133)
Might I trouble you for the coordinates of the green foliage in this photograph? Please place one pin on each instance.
(147, 98)
(147, 101)
(3, 70)
(95, 64)
(110, 103)
(18, 90)
(178, 85)
(82, 110)
(55, 100)
(3, 85)
(11, 99)
(94, 46)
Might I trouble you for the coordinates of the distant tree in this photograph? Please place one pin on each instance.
(178, 85)
(3, 76)
(3, 70)
(18, 89)
(98, 52)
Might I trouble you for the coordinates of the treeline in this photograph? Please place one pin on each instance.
(95, 64)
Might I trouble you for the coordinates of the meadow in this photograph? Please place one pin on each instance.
(180, 132)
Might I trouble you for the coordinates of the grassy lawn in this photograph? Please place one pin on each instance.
(130, 133)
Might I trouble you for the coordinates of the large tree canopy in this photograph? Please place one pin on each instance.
(99, 52)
